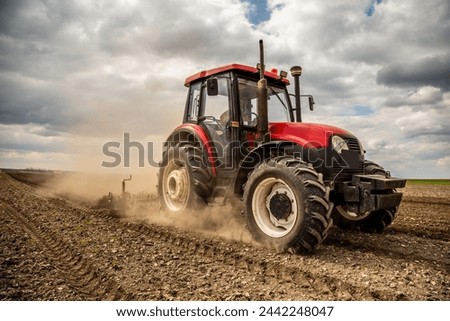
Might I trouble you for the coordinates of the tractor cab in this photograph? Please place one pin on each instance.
(224, 102)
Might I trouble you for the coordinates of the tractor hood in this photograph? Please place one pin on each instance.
(305, 134)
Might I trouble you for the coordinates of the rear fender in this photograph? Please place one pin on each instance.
(194, 134)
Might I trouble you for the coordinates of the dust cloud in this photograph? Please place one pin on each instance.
(147, 123)
(90, 187)
(93, 182)
(215, 220)
(223, 221)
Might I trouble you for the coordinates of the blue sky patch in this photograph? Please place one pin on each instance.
(356, 110)
(362, 110)
(258, 11)
(370, 9)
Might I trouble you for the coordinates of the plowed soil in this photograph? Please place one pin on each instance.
(56, 248)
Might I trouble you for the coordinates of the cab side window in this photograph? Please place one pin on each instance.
(217, 107)
(248, 102)
(194, 102)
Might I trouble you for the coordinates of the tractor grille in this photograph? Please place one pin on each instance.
(352, 144)
(345, 174)
(344, 168)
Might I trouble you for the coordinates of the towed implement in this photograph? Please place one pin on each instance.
(121, 203)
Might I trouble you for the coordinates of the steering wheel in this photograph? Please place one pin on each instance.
(214, 119)
(253, 120)
(218, 124)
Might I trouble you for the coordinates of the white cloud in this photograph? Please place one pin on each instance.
(90, 71)
(444, 163)
(10, 158)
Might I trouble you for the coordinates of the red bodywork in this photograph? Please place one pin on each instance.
(238, 67)
(304, 134)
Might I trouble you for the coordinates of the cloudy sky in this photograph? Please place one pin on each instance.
(77, 74)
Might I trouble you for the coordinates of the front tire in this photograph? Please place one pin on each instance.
(286, 205)
(184, 181)
(369, 222)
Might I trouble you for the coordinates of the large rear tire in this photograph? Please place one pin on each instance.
(286, 205)
(184, 181)
(369, 222)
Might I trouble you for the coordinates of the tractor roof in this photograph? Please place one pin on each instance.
(271, 75)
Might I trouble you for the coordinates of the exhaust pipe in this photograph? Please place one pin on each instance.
(296, 72)
(263, 122)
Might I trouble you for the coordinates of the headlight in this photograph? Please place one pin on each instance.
(339, 144)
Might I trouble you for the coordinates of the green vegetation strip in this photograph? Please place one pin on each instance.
(429, 181)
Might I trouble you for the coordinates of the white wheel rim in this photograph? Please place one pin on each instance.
(264, 195)
(175, 187)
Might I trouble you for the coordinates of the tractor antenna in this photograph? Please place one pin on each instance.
(261, 59)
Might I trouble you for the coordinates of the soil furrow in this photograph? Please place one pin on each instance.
(64, 258)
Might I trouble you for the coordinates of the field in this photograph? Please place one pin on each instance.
(57, 247)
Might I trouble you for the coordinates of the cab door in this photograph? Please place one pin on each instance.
(216, 118)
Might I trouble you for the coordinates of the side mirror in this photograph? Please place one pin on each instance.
(212, 87)
(311, 103)
(310, 100)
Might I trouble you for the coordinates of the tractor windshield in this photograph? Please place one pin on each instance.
(278, 108)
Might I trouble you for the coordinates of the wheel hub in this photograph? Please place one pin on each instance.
(175, 184)
(280, 206)
(275, 207)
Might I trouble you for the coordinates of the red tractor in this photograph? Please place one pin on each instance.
(243, 139)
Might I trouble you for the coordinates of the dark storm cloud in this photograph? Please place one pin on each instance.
(47, 50)
(27, 101)
(43, 39)
(173, 30)
(62, 61)
(32, 137)
(438, 132)
(431, 71)
(37, 20)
